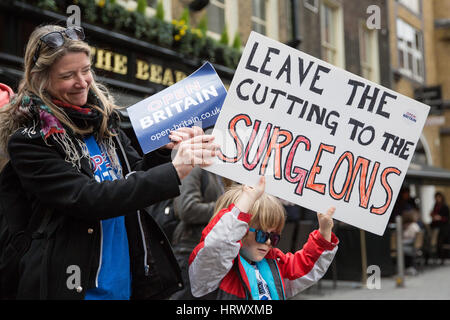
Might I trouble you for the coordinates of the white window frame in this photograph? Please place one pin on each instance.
(259, 20)
(338, 28)
(271, 22)
(150, 12)
(415, 7)
(313, 7)
(417, 72)
(213, 34)
(231, 18)
(272, 19)
(373, 63)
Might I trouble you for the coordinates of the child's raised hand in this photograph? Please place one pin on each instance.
(326, 223)
(250, 195)
(256, 191)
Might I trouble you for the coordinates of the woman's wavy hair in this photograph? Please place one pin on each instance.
(440, 194)
(36, 80)
(267, 212)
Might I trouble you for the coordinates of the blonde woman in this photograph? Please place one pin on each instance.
(83, 183)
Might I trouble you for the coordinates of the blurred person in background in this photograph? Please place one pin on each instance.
(194, 208)
(78, 171)
(440, 225)
(403, 203)
(411, 230)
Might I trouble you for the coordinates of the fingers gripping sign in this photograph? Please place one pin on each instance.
(197, 150)
(181, 135)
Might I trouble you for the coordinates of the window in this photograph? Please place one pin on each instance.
(332, 35)
(265, 17)
(368, 52)
(221, 13)
(131, 5)
(152, 3)
(413, 5)
(410, 51)
(311, 5)
(328, 34)
(289, 30)
(259, 19)
(216, 16)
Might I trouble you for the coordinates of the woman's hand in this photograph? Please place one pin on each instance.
(326, 223)
(181, 135)
(436, 217)
(198, 150)
(250, 195)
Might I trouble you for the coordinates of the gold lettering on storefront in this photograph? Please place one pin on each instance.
(179, 75)
(168, 77)
(109, 61)
(142, 70)
(118, 63)
(157, 74)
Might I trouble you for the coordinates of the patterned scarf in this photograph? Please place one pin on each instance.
(83, 117)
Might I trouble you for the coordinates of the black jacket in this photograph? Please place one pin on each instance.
(78, 203)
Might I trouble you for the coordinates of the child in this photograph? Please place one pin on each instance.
(236, 258)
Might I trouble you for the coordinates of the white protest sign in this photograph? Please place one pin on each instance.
(322, 136)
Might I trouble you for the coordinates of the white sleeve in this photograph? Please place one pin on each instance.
(215, 255)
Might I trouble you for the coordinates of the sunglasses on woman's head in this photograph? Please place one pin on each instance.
(56, 39)
(262, 236)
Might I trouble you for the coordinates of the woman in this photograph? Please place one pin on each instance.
(440, 225)
(440, 212)
(78, 168)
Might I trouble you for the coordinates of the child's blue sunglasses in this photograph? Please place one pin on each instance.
(262, 236)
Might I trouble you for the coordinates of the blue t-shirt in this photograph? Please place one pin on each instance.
(113, 281)
(263, 288)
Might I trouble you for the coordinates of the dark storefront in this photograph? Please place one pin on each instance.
(132, 69)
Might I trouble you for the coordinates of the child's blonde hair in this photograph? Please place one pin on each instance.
(267, 212)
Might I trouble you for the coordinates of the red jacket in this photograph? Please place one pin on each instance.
(5, 94)
(215, 270)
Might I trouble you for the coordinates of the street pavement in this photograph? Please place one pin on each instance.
(432, 283)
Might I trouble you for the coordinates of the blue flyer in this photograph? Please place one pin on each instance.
(195, 100)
